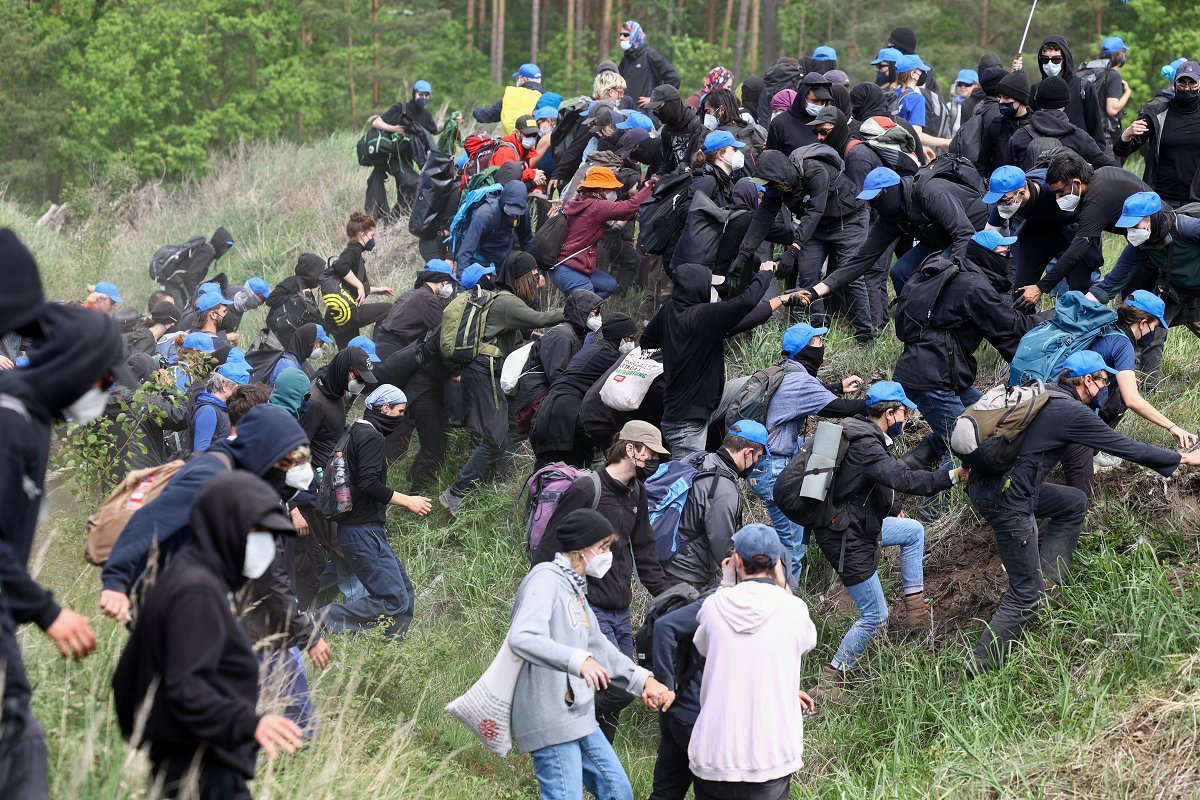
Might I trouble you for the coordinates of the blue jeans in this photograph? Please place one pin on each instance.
(338, 576)
(389, 591)
(572, 280)
(287, 684)
(941, 407)
(617, 627)
(685, 438)
(563, 770)
(909, 536)
(762, 481)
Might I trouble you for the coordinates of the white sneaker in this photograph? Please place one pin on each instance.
(1104, 461)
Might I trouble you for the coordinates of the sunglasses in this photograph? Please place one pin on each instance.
(1050, 59)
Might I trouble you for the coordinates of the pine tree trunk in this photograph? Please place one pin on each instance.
(606, 26)
(494, 55)
(375, 42)
(983, 27)
(739, 47)
(725, 30)
(710, 18)
(470, 25)
(755, 15)
(570, 38)
(350, 56)
(854, 31)
(581, 33)
(770, 32)
(534, 8)
(501, 20)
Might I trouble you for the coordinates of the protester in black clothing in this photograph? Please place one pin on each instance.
(286, 302)
(362, 534)
(1084, 108)
(417, 311)
(866, 101)
(188, 666)
(1002, 118)
(1167, 134)
(345, 285)
(682, 131)
(1034, 556)
(553, 351)
(752, 89)
(643, 67)
(1099, 195)
(414, 111)
(138, 439)
(1050, 121)
(722, 107)
(791, 129)
(556, 434)
(984, 93)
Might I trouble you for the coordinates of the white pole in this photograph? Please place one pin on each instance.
(1021, 49)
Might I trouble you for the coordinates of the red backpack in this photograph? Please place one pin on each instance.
(480, 148)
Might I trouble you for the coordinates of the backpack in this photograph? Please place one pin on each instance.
(953, 168)
(667, 491)
(297, 309)
(377, 148)
(172, 258)
(326, 503)
(263, 355)
(902, 164)
(463, 323)
(894, 146)
(659, 220)
(1037, 147)
(548, 241)
(546, 488)
(436, 185)
(1077, 322)
(937, 117)
(141, 486)
(988, 435)
(462, 218)
(675, 598)
(480, 148)
(919, 298)
(1093, 72)
(808, 511)
(968, 140)
(754, 398)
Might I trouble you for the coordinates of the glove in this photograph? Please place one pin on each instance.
(739, 264)
(797, 300)
(1022, 305)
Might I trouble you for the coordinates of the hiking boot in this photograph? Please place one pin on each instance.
(864, 341)
(830, 688)
(450, 501)
(1104, 461)
(916, 614)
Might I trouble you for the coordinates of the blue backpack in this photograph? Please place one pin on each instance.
(1077, 322)
(462, 219)
(667, 491)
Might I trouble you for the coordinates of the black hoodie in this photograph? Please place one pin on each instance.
(325, 421)
(1054, 123)
(188, 652)
(22, 296)
(1083, 106)
(551, 354)
(790, 129)
(266, 434)
(308, 274)
(221, 241)
(156, 411)
(691, 332)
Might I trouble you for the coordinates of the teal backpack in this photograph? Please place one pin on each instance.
(1077, 322)
(462, 219)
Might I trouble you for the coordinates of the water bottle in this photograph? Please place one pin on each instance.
(138, 498)
(341, 484)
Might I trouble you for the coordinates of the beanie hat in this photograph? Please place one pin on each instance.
(165, 313)
(1016, 85)
(581, 528)
(986, 61)
(989, 81)
(616, 327)
(1053, 93)
(904, 39)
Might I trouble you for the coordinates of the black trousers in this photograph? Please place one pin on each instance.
(672, 776)
(778, 789)
(363, 316)
(217, 782)
(431, 419)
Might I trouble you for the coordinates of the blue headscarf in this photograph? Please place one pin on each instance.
(637, 36)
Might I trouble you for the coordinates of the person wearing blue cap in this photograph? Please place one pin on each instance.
(1167, 134)
(785, 412)
(868, 521)
(103, 297)
(211, 308)
(478, 274)
(1037, 557)
(1112, 91)
(791, 129)
(911, 103)
(417, 311)
(885, 66)
(518, 99)
(305, 345)
(208, 421)
(827, 55)
(498, 226)
(367, 346)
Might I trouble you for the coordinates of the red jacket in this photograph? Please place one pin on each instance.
(503, 154)
(586, 218)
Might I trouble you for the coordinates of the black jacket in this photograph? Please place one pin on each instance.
(188, 652)
(325, 420)
(268, 609)
(350, 260)
(139, 439)
(602, 423)
(973, 306)
(790, 129)
(672, 632)
(1055, 123)
(556, 418)
(866, 484)
(691, 332)
(680, 139)
(367, 470)
(643, 68)
(1084, 106)
(624, 506)
(1154, 114)
(551, 353)
(413, 314)
(997, 131)
(711, 515)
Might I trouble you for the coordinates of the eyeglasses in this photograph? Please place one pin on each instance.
(1050, 59)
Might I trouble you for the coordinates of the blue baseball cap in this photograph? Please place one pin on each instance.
(797, 337)
(1137, 206)
(109, 290)
(967, 76)
(888, 390)
(422, 86)
(235, 371)
(991, 238)
(385, 395)
(1168, 71)
(235, 355)
(718, 139)
(1004, 180)
(198, 340)
(757, 539)
(905, 63)
(531, 71)
(211, 286)
(259, 286)
(545, 112)
(888, 54)
(637, 120)
(877, 180)
(438, 265)
(1150, 303)
(751, 431)
(1086, 362)
(824, 53)
(322, 335)
(1112, 44)
(367, 345)
(210, 300)
(473, 273)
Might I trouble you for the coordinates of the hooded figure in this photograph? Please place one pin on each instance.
(682, 133)
(139, 438)
(187, 656)
(1050, 121)
(1083, 108)
(498, 226)
(291, 392)
(752, 89)
(551, 353)
(266, 435)
(325, 420)
(299, 349)
(790, 129)
(841, 98)
(288, 309)
(642, 66)
(780, 76)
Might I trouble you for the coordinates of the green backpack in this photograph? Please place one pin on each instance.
(463, 323)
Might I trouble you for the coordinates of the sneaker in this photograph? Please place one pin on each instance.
(450, 501)
(1104, 461)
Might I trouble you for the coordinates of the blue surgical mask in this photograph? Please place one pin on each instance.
(813, 110)
(626, 44)
(370, 245)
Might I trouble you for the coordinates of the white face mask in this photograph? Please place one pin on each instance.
(711, 122)
(598, 567)
(300, 476)
(1052, 69)
(529, 141)
(89, 406)
(594, 323)
(445, 291)
(1070, 202)
(1137, 236)
(316, 354)
(260, 552)
(626, 44)
(1009, 211)
(738, 161)
(355, 386)
(625, 347)
(775, 114)
(611, 196)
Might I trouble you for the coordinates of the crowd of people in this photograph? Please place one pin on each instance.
(266, 485)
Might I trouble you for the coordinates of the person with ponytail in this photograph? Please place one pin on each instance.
(345, 284)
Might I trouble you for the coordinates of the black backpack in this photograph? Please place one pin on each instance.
(919, 298)
(172, 258)
(436, 184)
(377, 148)
(807, 511)
(326, 495)
(950, 167)
(659, 220)
(263, 355)
(968, 141)
(1037, 149)
(548, 241)
(673, 599)
(937, 116)
(298, 308)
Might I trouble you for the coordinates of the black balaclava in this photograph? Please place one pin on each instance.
(751, 91)
(221, 242)
(987, 60)
(382, 422)
(143, 366)
(839, 137)
(308, 269)
(1186, 102)
(632, 142)
(303, 341)
(811, 357)
(334, 377)
(866, 100)
(996, 264)
(841, 98)
(777, 168)
(890, 202)
(745, 195)
(617, 326)
(223, 512)
(673, 113)
(508, 171)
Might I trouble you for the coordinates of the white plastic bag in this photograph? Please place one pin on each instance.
(513, 369)
(486, 708)
(626, 387)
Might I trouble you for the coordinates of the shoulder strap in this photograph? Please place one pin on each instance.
(13, 404)
(595, 476)
(223, 458)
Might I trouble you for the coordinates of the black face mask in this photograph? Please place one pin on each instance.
(1186, 101)
(881, 79)
(646, 470)
(1146, 340)
(1008, 109)
(811, 358)
(382, 422)
(278, 480)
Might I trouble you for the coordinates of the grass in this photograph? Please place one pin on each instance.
(1100, 699)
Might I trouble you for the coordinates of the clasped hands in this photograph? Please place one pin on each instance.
(655, 696)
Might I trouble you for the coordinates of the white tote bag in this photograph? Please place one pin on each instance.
(626, 387)
(514, 368)
(486, 708)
